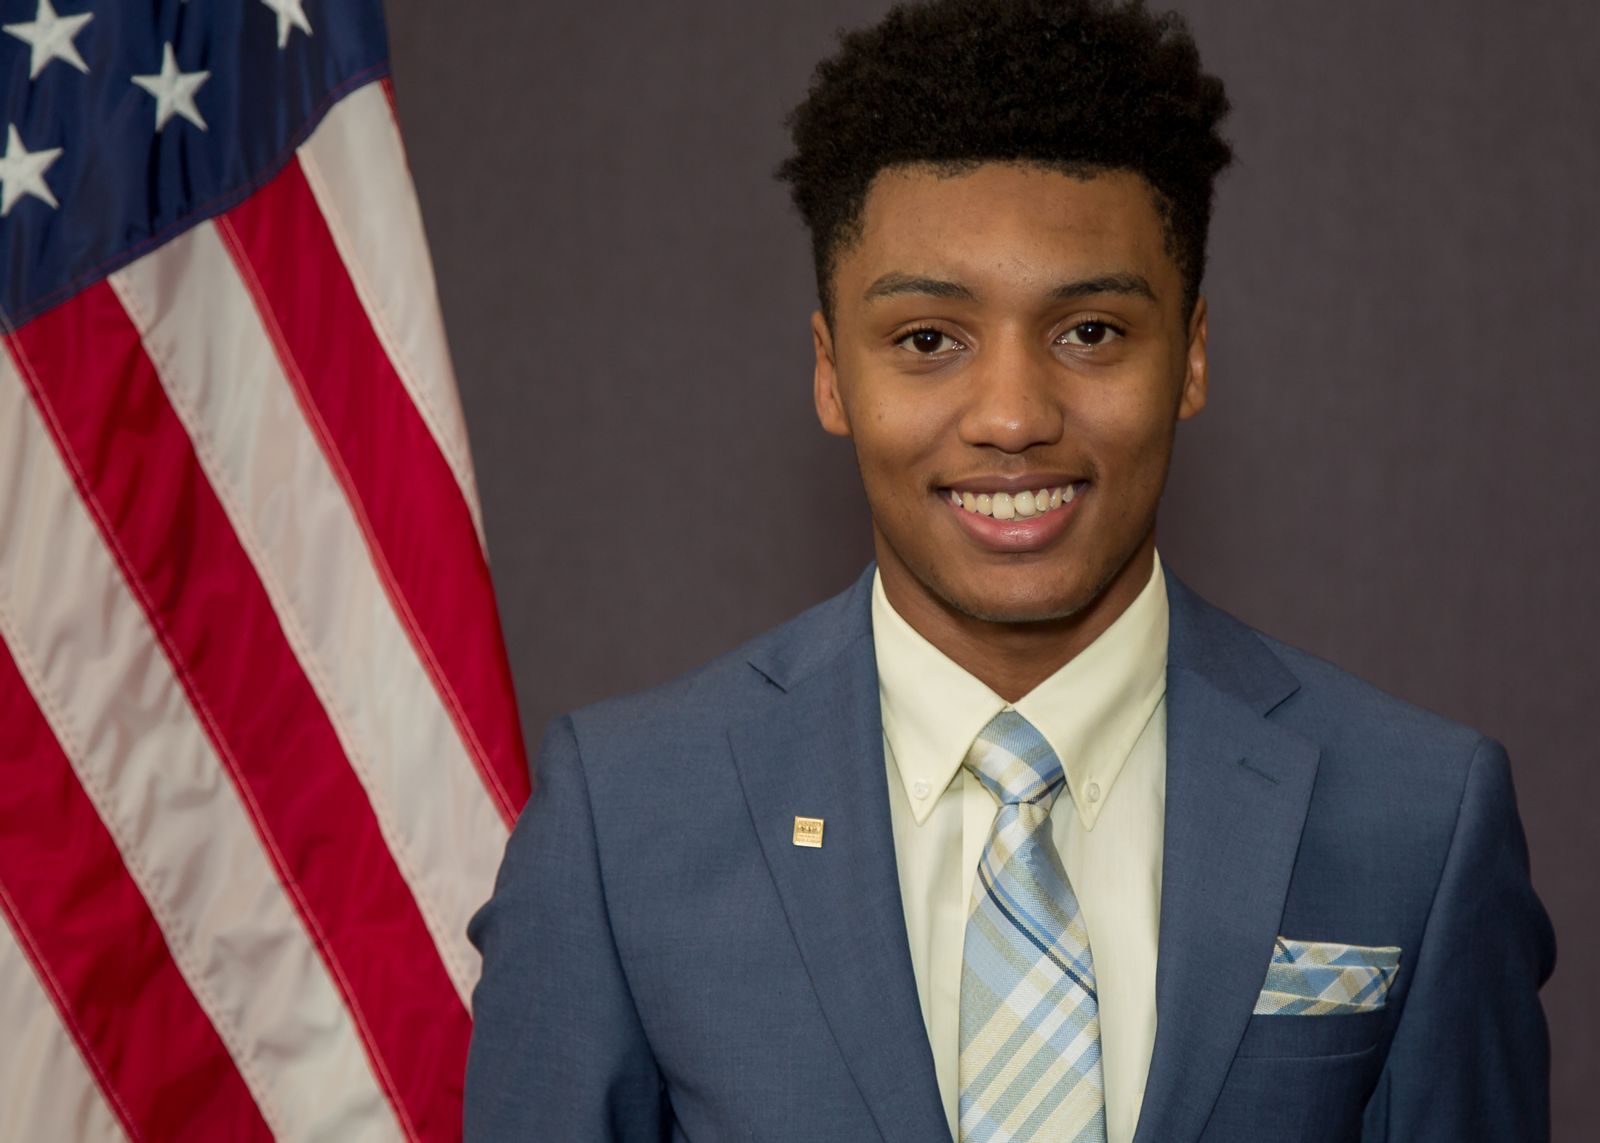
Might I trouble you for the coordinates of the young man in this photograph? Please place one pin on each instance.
(1017, 839)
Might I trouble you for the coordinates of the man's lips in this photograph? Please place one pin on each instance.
(1014, 514)
(1025, 482)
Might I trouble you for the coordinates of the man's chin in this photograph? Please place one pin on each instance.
(1018, 607)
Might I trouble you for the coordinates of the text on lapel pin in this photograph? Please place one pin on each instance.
(808, 832)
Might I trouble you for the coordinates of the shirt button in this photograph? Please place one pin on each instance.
(920, 789)
(1093, 792)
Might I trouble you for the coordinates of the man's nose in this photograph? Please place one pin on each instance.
(1015, 401)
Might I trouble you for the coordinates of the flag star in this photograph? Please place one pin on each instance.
(291, 13)
(22, 172)
(174, 90)
(49, 37)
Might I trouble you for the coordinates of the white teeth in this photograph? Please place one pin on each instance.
(1019, 506)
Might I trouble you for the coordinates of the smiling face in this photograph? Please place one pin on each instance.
(996, 333)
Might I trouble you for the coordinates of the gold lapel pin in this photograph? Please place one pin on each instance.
(808, 832)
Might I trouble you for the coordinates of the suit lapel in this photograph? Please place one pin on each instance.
(818, 752)
(1238, 788)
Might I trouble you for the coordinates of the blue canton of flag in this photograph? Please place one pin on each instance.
(127, 122)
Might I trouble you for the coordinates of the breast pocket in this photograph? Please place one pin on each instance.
(1300, 1078)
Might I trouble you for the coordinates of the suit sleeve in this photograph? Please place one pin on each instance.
(557, 1050)
(1470, 1060)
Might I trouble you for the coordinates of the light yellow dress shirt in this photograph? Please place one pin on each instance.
(1104, 713)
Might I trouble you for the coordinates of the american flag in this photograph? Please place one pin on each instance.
(259, 751)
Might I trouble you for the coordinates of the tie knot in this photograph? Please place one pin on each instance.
(1012, 758)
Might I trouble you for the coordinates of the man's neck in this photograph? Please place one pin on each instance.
(1013, 658)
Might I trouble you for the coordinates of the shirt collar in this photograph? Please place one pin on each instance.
(1091, 711)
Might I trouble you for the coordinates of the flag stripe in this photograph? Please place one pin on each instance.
(50, 1092)
(120, 714)
(356, 165)
(95, 941)
(352, 196)
(179, 547)
(196, 319)
(420, 531)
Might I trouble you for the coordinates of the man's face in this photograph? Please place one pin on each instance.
(997, 333)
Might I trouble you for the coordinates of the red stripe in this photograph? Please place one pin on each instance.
(419, 529)
(387, 84)
(97, 949)
(138, 473)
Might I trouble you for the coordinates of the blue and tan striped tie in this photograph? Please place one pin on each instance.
(1030, 1021)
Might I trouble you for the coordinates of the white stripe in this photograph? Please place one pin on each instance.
(226, 383)
(46, 1088)
(98, 673)
(356, 165)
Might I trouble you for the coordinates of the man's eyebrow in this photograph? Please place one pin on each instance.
(894, 283)
(1104, 284)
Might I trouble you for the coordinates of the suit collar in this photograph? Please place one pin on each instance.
(1202, 639)
(814, 640)
(1230, 657)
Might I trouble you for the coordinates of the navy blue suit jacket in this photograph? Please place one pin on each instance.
(661, 962)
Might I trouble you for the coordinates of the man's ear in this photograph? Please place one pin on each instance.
(1193, 398)
(825, 380)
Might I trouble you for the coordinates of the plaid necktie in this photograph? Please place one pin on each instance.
(1030, 1023)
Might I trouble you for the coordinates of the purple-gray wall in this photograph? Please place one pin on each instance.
(1398, 469)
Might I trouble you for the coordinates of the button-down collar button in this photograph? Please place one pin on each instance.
(920, 789)
(1093, 792)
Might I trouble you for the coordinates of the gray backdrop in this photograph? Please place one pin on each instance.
(1397, 469)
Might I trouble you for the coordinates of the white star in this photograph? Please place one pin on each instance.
(50, 38)
(174, 90)
(22, 172)
(290, 13)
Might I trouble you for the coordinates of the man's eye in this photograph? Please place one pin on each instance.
(929, 342)
(1090, 334)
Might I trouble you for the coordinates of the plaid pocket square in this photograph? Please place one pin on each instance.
(1315, 978)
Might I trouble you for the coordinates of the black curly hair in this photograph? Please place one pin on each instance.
(1082, 86)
